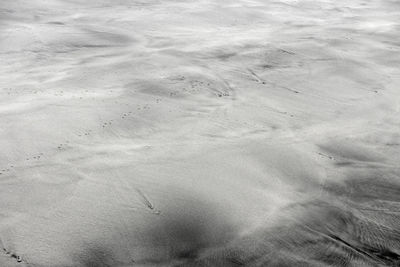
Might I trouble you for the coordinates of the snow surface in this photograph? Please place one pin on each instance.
(199, 133)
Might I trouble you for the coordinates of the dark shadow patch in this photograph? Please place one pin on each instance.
(225, 56)
(186, 229)
(384, 254)
(344, 164)
(367, 189)
(350, 151)
(324, 234)
(95, 256)
(56, 23)
(267, 66)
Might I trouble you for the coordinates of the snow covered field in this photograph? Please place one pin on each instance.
(199, 133)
